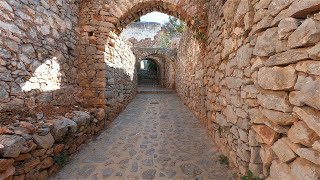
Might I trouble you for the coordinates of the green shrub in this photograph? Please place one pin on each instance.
(249, 176)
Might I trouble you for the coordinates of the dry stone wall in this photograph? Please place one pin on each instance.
(260, 82)
(37, 53)
(121, 81)
(39, 148)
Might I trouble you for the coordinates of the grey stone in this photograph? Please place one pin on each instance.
(149, 174)
(286, 27)
(265, 45)
(5, 53)
(45, 141)
(81, 118)
(190, 170)
(134, 167)
(147, 162)
(4, 91)
(62, 126)
(87, 170)
(12, 145)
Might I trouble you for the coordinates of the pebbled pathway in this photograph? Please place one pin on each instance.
(155, 137)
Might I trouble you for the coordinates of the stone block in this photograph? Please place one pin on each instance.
(280, 118)
(277, 78)
(276, 100)
(307, 34)
(287, 57)
(283, 151)
(267, 134)
(302, 134)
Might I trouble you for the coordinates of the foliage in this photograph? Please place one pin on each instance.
(60, 159)
(137, 20)
(164, 40)
(174, 25)
(223, 160)
(249, 176)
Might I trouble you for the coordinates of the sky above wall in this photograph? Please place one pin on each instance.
(155, 17)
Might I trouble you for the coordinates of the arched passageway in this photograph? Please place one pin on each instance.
(247, 69)
(148, 72)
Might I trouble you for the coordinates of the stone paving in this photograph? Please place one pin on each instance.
(155, 137)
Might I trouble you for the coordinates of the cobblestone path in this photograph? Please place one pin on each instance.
(155, 137)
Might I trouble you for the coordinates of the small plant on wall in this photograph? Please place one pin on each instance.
(199, 35)
(249, 176)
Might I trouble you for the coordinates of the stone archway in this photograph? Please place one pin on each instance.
(165, 58)
(148, 76)
(100, 23)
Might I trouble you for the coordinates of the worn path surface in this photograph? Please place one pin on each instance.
(155, 137)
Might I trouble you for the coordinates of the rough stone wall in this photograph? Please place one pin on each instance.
(37, 53)
(261, 84)
(170, 74)
(36, 150)
(121, 76)
(165, 60)
(189, 75)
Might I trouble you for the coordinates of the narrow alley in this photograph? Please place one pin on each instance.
(155, 137)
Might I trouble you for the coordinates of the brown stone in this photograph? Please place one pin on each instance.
(28, 126)
(43, 175)
(316, 145)
(294, 147)
(277, 78)
(23, 157)
(5, 130)
(287, 57)
(276, 100)
(310, 67)
(314, 52)
(31, 164)
(47, 162)
(283, 151)
(267, 134)
(306, 34)
(280, 118)
(277, 5)
(309, 154)
(58, 148)
(267, 156)
(100, 114)
(301, 8)
(280, 170)
(310, 116)
(8, 173)
(5, 164)
(304, 169)
(301, 133)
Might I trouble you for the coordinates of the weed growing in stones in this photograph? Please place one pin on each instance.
(223, 160)
(249, 176)
(61, 159)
